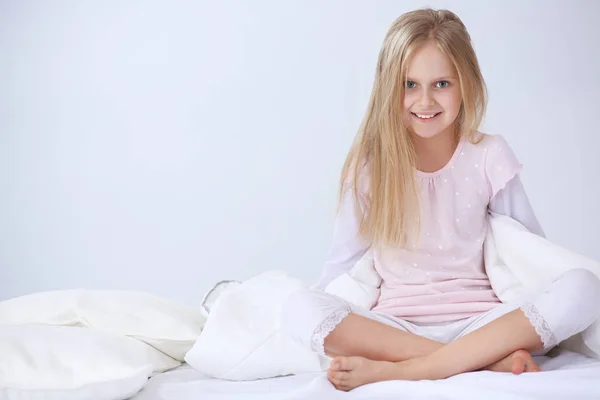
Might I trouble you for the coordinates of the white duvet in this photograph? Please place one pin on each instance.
(242, 341)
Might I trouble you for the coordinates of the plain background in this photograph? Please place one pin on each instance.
(163, 146)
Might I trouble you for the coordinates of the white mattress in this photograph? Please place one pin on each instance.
(565, 375)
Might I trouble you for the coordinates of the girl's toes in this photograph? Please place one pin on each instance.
(338, 384)
(331, 376)
(518, 366)
(335, 364)
(340, 364)
(338, 376)
(344, 376)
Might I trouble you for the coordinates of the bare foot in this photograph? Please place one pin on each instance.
(347, 373)
(518, 362)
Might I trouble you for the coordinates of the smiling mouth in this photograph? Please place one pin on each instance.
(425, 117)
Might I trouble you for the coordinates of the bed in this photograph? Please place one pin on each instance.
(104, 345)
(566, 375)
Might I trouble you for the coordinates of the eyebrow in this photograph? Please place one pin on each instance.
(435, 80)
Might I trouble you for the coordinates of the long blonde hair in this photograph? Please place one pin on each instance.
(383, 152)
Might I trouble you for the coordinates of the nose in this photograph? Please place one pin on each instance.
(426, 98)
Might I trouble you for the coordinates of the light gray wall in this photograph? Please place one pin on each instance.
(163, 146)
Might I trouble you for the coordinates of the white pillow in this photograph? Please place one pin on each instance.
(56, 362)
(169, 326)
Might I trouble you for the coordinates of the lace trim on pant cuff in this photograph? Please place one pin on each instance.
(325, 328)
(540, 325)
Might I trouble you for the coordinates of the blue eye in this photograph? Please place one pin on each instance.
(442, 84)
(410, 84)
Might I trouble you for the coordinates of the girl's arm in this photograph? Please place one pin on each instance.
(346, 247)
(513, 202)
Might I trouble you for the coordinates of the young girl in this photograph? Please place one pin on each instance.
(416, 190)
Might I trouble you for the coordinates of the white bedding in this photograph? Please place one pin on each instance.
(566, 375)
(242, 337)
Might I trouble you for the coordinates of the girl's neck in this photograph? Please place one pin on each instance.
(435, 152)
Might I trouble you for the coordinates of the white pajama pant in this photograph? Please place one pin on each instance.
(568, 306)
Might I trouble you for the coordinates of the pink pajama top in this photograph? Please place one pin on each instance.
(441, 276)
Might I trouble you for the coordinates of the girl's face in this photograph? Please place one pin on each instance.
(432, 96)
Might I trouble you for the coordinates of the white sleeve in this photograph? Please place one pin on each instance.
(346, 247)
(513, 202)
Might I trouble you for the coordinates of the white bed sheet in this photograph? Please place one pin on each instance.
(566, 375)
